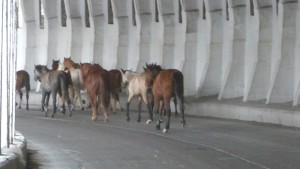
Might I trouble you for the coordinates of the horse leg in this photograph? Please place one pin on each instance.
(145, 99)
(21, 96)
(156, 109)
(127, 106)
(54, 102)
(43, 103)
(139, 108)
(168, 110)
(27, 97)
(175, 104)
(78, 95)
(182, 112)
(113, 103)
(105, 103)
(93, 102)
(47, 101)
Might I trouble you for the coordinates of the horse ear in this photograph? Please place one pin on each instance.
(122, 70)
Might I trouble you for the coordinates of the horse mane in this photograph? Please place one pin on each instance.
(153, 68)
(40, 68)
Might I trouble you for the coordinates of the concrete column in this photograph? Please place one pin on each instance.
(143, 31)
(64, 34)
(41, 56)
(180, 34)
(8, 38)
(232, 84)
(297, 60)
(157, 36)
(212, 81)
(251, 45)
(99, 22)
(124, 19)
(260, 56)
(88, 32)
(111, 38)
(281, 87)
(76, 27)
(191, 45)
(22, 38)
(204, 42)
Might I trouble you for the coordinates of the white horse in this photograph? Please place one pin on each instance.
(136, 87)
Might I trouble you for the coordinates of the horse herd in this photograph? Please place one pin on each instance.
(67, 79)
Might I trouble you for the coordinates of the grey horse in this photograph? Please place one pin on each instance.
(52, 82)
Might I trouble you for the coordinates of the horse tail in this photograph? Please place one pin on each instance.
(178, 85)
(63, 82)
(27, 82)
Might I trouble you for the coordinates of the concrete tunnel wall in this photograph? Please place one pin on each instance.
(229, 48)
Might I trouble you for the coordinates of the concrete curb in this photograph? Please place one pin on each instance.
(15, 156)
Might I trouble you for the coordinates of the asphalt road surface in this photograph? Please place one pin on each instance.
(65, 142)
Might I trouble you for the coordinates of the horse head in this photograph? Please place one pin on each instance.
(39, 70)
(55, 64)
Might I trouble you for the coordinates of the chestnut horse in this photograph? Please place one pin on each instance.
(166, 83)
(52, 82)
(77, 80)
(96, 82)
(136, 87)
(23, 80)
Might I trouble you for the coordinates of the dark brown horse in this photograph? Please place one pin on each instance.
(23, 80)
(96, 82)
(166, 83)
(55, 64)
(115, 80)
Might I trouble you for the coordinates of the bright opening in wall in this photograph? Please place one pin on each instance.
(133, 14)
(87, 14)
(277, 7)
(203, 11)
(156, 12)
(179, 12)
(251, 8)
(63, 14)
(20, 17)
(110, 12)
(227, 10)
(41, 14)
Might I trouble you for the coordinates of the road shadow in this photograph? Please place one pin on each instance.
(32, 162)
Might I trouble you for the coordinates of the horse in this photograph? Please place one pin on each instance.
(23, 80)
(136, 87)
(76, 78)
(55, 64)
(115, 80)
(96, 82)
(165, 83)
(52, 82)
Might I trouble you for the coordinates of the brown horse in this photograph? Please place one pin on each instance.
(23, 80)
(55, 64)
(96, 82)
(166, 83)
(115, 80)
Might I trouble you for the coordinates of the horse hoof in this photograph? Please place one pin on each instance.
(165, 131)
(139, 120)
(27, 108)
(82, 109)
(70, 114)
(157, 127)
(106, 120)
(94, 118)
(183, 124)
(114, 113)
(148, 121)
(52, 115)
(128, 119)
(19, 107)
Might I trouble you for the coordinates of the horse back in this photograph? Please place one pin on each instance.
(22, 79)
(169, 82)
(115, 79)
